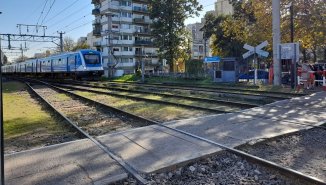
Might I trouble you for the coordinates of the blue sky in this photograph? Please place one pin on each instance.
(70, 16)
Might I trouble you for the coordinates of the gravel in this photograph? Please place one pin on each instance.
(303, 151)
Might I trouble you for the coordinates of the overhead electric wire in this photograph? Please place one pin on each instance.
(46, 2)
(33, 12)
(62, 11)
(79, 26)
(48, 12)
(74, 21)
(59, 21)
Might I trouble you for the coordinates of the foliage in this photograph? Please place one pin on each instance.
(252, 23)
(194, 67)
(168, 26)
(70, 45)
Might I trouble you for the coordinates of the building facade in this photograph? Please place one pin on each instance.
(123, 32)
(223, 7)
(198, 43)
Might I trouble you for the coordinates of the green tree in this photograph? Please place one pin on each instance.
(168, 26)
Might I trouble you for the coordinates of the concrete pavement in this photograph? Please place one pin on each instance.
(78, 162)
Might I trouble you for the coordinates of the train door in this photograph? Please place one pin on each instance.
(67, 65)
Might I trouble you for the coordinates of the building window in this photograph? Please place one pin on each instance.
(114, 26)
(125, 26)
(126, 37)
(125, 3)
(127, 48)
(125, 14)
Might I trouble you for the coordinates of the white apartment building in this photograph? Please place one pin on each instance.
(197, 41)
(223, 7)
(122, 28)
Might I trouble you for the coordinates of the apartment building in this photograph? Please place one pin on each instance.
(223, 7)
(197, 41)
(123, 32)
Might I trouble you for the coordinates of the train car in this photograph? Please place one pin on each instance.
(79, 64)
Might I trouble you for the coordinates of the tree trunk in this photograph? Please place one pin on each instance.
(315, 55)
(304, 52)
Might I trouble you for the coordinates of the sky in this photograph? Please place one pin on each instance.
(70, 16)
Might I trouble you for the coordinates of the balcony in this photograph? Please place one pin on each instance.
(96, 11)
(143, 32)
(96, 1)
(97, 22)
(145, 54)
(143, 42)
(140, 9)
(139, 20)
(140, 1)
(97, 44)
(97, 32)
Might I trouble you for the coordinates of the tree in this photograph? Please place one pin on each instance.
(81, 45)
(168, 26)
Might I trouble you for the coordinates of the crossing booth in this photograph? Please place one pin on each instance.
(225, 69)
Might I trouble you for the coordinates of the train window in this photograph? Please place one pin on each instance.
(92, 59)
(71, 60)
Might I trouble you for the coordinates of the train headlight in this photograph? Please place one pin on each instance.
(85, 67)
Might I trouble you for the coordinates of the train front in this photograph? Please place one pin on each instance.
(92, 63)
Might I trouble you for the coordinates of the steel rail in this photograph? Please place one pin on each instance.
(143, 99)
(126, 166)
(217, 88)
(262, 161)
(239, 104)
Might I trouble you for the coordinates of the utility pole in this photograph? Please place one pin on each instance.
(142, 65)
(61, 41)
(276, 41)
(2, 180)
(293, 63)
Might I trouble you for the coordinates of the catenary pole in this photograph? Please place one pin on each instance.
(276, 41)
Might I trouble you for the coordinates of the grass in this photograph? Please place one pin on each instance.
(152, 111)
(24, 118)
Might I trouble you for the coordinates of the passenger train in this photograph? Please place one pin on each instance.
(79, 64)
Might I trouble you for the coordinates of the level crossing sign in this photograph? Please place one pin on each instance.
(258, 49)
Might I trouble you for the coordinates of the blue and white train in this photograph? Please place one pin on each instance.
(79, 64)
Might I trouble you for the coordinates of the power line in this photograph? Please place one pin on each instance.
(74, 21)
(48, 12)
(33, 12)
(65, 18)
(79, 26)
(62, 11)
(46, 2)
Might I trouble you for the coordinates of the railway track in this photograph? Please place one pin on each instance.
(210, 100)
(213, 110)
(44, 95)
(208, 88)
(141, 180)
(235, 91)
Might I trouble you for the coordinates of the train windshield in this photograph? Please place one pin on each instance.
(92, 59)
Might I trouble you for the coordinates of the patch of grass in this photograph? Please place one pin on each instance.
(23, 116)
(152, 111)
(61, 97)
(127, 78)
